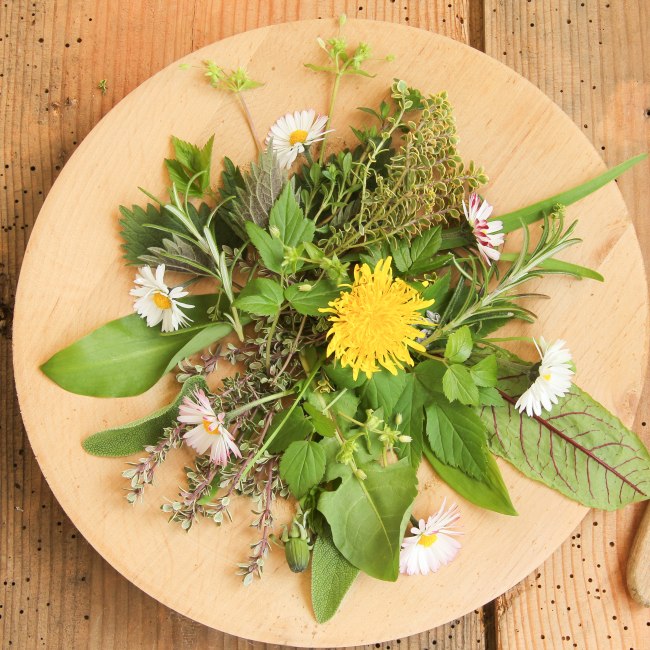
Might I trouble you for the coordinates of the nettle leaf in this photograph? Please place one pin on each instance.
(459, 385)
(135, 436)
(459, 345)
(308, 299)
(484, 373)
(368, 517)
(292, 428)
(302, 466)
(457, 437)
(580, 450)
(331, 578)
(261, 296)
(190, 161)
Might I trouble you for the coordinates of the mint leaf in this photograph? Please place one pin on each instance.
(302, 466)
(262, 297)
(459, 385)
(368, 518)
(459, 345)
(295, 428)
(310, 301)
(457, 437)
(484, 373)
(331, 578)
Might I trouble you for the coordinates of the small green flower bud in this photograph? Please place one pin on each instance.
(275, 232)
(305, 287)
(360, 474)
(398, 419)
(296, 551)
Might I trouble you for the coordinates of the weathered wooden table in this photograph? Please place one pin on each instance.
(589, 56)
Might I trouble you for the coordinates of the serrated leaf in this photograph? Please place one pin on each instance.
(261, 296)
(310, 302)
(459, 345)
(458, 385)
(321, 422)
(295, 427)
(423, 249)
(579, 449)
(135, 436)
(484, 373)
(270, 249)
(331, 578)
(190, 161)
(368, 517)
(287, 216)
(383, 390)
(302, 466)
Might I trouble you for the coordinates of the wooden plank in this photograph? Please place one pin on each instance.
(589, 56)
(57, 591)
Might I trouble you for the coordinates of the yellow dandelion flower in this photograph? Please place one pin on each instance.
(375, 322)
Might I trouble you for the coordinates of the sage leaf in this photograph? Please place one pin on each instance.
(579, 449)
(459, 345)
(261, 296)
(331, 578)
(302, 466)
(368, 517)
(133, 437)
(459, 385)
(308, 299)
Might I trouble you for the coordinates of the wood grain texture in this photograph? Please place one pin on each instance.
(591, 57)
(57, 591)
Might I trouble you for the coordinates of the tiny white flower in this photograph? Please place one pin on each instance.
(432, 544)
(553, 381)
(488, 233)
(157, 302)
(209, 432)
(295, 131)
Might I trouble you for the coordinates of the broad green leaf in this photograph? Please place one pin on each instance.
(383, 390)
(343, 403)
(459, 345)
(342, 376)
(331, 578)
(261, 296)
(135, 436)
(423, 249)
(308, 299)
(123, 357)
(579, 449)
(536, 211)
(457, 437)
(459, 385)
(295, 428)
(368, 517)
(302, 466)
(489, 492)
(552, 265)
(322, 423)
(484, 373)
(270, 248)
(489, 396)
(287, 216)
(202, 339)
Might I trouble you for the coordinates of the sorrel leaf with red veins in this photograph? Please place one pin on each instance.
(578, 449)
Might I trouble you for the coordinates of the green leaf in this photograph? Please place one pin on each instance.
(489, 492)
(458, 385)
(579, 449)
(261, 296)
(558, 266)
(310, 301)
(270, 249)
(423, 249)
(302, 466)
(190, 160)
(384, 389)
(484, 373)
(459, 345)
(489, 397)
(135, 436)
(124, 357)
(536, 211)
(322, 423)
(331, 578)
(201, 340)
(368, 518)
(457, 437)
(286, 215)
(342, 376)
(296, 428)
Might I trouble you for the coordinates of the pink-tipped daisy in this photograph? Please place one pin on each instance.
(209, 432)
(432, 544)
(157, 302)
(487, 233)
(553, 381)
(295, 131)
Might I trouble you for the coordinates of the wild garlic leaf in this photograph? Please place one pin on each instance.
(295, 427)
(457, 437)
(458, 384)
(368, 517)
(308, 298)
(262, 297)
(579, 449)
(302, 466)
(459, 345)
(484, 373)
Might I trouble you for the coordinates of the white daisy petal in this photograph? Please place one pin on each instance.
(487, 233)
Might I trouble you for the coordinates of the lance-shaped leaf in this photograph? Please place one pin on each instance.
(578, 449)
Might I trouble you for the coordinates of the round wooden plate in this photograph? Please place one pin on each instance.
(73, 280)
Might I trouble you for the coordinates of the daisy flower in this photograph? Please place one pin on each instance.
(554, 379)
(487, 233)
(432, 544)
(209, 432)
(157, 302)
(295, 131)
(376, 321)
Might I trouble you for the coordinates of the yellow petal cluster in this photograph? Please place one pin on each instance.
(376, 321)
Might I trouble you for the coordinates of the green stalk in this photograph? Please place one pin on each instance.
(335, 92)
(257, 402)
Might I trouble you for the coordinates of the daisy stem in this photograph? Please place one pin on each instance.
(257, 402)
(414, 521)
(249, 119)
(335, 92)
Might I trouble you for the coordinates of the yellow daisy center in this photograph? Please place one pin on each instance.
(375, 321)
(161, 300)
(427, 540)
(547, 376)
(298, 136)
(208, 424)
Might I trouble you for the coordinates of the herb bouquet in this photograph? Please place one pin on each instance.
(360, 291)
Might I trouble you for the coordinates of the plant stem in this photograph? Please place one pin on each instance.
(262, 400)
(269, 340)
(335, 92)
(249, 119)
